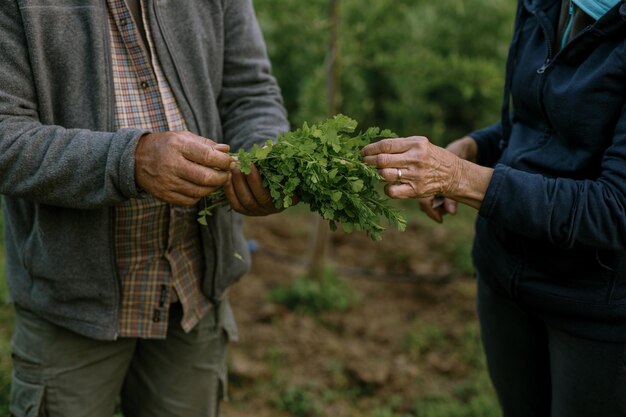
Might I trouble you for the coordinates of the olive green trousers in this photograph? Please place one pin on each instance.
(58, 373)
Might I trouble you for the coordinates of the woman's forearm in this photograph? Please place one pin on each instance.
(470, 184)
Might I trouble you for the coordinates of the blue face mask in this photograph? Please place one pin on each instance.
(596, 8)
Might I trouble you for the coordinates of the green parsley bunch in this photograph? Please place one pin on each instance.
(322, 165)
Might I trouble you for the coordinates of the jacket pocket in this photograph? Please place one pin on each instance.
(576, 275)
(27, 399)
(226, 250)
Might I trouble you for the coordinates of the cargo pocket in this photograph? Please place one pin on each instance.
(26, 399)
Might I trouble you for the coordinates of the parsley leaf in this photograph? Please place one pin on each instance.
(322, 165)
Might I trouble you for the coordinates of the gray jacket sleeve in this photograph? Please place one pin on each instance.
(39, 160)
(250, 102)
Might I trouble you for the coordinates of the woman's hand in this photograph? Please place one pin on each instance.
(437, 207)
(415, 168)
(464, 148)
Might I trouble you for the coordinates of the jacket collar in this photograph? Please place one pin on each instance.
(612, 24)
(614, 20)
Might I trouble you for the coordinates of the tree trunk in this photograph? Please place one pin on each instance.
(320, 243)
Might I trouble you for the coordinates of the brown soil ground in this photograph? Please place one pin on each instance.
(357, 360)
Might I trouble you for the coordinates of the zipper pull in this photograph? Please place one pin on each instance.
(543, 67)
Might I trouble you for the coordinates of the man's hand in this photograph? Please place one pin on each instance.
(247, 195)
(180, 167)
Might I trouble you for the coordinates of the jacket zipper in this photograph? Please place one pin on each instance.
(548, 61)
(550, 58)
(541, 71)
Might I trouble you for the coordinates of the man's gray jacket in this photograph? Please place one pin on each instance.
(63, 167)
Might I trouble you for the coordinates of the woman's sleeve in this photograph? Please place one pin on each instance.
(488, 141)
(564, 211)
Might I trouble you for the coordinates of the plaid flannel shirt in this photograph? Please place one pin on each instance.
(158, 246)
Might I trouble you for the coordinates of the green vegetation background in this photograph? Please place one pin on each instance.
(417, 67)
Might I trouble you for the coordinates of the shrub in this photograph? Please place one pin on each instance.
(307, 295)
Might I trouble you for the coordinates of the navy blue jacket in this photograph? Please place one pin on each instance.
(551, 231)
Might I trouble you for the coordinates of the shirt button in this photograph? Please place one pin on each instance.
(123, 22)
(144, 84)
